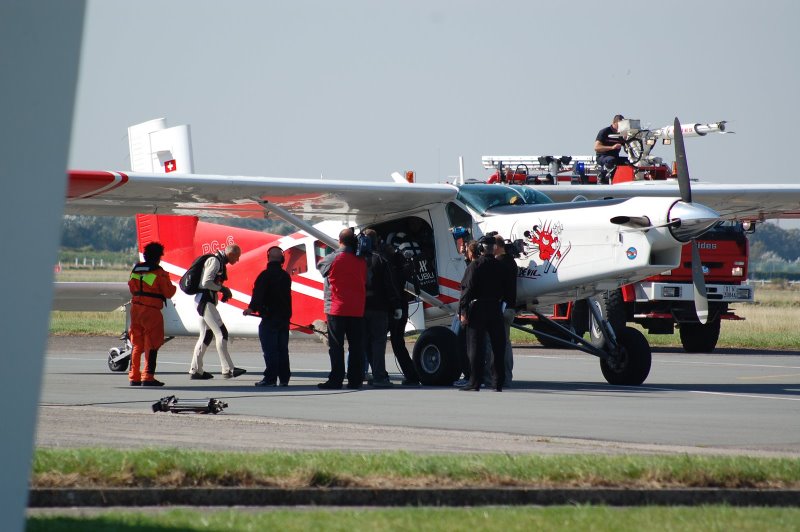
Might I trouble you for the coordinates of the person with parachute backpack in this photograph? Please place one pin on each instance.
(150, 287)
(206, 288)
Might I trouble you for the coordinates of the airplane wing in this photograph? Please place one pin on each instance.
(732, 202)
(90, 296)
(123, 194)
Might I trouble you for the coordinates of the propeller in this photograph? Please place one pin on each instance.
(699, 282)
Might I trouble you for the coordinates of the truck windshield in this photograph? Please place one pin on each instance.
(482, 197)
(725, 230)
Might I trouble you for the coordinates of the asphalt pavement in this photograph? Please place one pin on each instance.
(732, 402)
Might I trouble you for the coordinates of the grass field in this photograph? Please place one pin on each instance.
(181, 468)
(111, 468)
(555, 518)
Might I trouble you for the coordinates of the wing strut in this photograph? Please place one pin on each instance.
(290, 218)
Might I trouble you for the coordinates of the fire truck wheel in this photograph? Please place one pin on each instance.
(612, 308)
(580, 317)
(436, 357)
(700, 338)
(121, 364)
(632, 365)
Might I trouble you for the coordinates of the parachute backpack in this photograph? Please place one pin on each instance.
(190, 282)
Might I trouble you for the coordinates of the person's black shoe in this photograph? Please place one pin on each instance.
(470, 388)
(284, 384)
(201, 376)
(266, 383)
(153, 382)
(410, 382)
(329, 385)
(354, 385)
(135, 383)
(235, 372)
(498, 388)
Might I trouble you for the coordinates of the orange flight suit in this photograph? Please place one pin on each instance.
(150, 287)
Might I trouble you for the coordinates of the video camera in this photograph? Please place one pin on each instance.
(513, 248)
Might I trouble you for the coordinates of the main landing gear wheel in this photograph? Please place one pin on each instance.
(631, 364)
(121, 364)
(436, 357)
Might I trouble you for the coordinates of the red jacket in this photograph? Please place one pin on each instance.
(345, 283)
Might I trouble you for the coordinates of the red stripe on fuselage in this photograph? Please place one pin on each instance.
(449, 283)
(88, 183)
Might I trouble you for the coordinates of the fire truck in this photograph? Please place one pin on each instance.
(662, 302)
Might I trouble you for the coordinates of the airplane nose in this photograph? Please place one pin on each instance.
(690, 220)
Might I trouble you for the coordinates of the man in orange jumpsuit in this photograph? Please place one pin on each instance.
(150, 287)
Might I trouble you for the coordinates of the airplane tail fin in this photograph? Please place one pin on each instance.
(185, 238)
(155, 148)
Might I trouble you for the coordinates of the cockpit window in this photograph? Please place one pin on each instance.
(481, 198)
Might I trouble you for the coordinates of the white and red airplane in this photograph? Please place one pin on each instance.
(569, 250)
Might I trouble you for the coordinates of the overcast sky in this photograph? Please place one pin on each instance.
(358, 89)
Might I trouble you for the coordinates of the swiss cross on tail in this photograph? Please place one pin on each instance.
(170, 166)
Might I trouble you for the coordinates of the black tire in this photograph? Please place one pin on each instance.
(700, 338)
(632, 366)
(120, 365)
(580, 317)
(436, 357)
(612, 308)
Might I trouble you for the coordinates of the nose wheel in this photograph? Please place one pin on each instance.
(628, 363)
(119, 357)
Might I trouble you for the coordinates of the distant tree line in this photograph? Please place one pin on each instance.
(99, 233)
(771, 239)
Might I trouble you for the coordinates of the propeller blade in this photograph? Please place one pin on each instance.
(633, 221)
(680, 162)
(699, 282)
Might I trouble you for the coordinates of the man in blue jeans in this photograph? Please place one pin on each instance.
(606, 148)
(272, 300)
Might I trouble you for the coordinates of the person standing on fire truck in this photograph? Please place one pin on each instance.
(150, 287)
(606, 148)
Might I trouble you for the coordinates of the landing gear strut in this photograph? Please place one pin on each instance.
(624, 358)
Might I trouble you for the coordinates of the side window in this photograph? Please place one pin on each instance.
(458, 217)
(295, 261)
(460, 224)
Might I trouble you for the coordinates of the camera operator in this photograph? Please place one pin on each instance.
(403, 268)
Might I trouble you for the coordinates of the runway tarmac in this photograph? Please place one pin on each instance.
(731, 402)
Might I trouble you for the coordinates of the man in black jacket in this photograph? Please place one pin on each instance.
(509, 298)
(272, 300)
(479, 310)
(382, 298)
(402, 273)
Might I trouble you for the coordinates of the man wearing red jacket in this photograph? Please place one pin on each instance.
(345, 296)
(150, 287)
